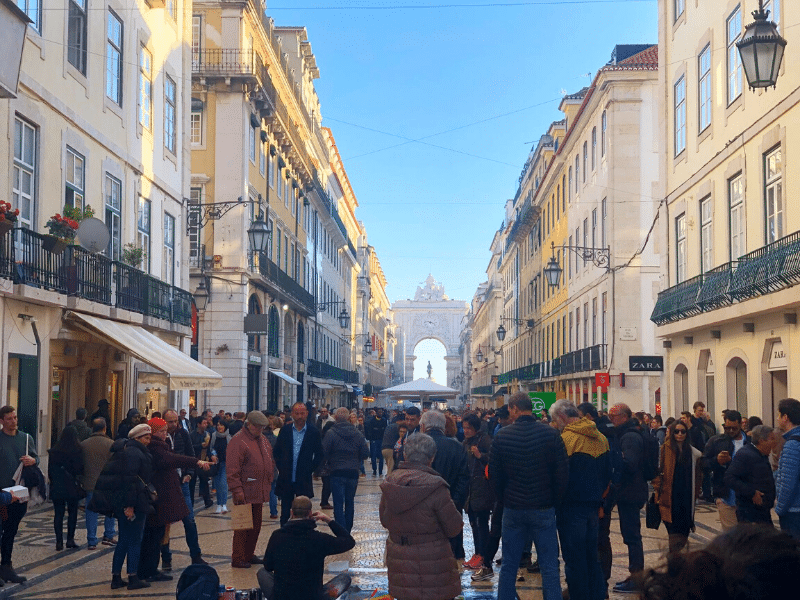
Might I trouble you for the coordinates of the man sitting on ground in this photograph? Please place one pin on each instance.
(296, 553)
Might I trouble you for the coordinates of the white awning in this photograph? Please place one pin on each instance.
(284, 376)
(322, 386)
(184, 372)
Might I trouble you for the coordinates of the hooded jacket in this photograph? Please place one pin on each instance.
(296, 555)
(345, 450)
(421, 518)
(589, 462)
(122, 480)
(632, 487)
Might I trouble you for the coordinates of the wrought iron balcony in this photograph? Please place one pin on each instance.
(592, 358)
(769, 269)
(82, 274)
(483, 390)
(284, 284)
(228, 62)
(326, 371)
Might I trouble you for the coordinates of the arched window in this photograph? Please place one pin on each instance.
(737, 385)
(274, 330)
(254, 308)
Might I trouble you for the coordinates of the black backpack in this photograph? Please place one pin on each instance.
(650, 456)
(198, 582)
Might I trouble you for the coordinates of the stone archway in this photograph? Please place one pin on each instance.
(431, 315)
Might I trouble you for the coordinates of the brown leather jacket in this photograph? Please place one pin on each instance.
(417, 510)
(662, 484)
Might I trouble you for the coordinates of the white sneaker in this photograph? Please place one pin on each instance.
(224, 508)
(219, 509)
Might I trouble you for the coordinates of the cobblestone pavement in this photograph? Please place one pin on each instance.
(85, 574)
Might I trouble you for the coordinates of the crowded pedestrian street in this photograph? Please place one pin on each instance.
(82, 573)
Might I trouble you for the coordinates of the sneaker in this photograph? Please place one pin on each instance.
(224, 508)
(166, 565)
(374, 473)
(94, 548)
(482, 574)
(476, 562)
(159, 576)
(626, 587)
(109, 541)
(219, 509)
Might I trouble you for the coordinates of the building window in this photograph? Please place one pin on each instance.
(143, 230)
(171, 8)
(569, 188)
(585, 324)
(197, 32)
(254, 308)
(774, 8)
(738, 241)
(114, 59)
(604, 308)
(680, 256)
(170, 120)
(577, 171)
(279, 238)
(680, 6)
(145, 88)
(197, 128)
(603, 222)
(285, 253)
(114, 215)
(23, 188)
(251, 143)
(585, 237)
(269, 246)
(262, 158)
(680, 116)
(577, 328)
(594, 321)
(594, 147)
(704, 87)
(74, 179)
(564, 194)
(585, 159)
(603, 127)
(594, 228)
(32, 8)
(706, 235)
(773, 176)
(168, 271)
(734, 30)
(279, 181)
(195, 197)
(76, 35)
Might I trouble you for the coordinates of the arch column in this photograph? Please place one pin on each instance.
(409, 368)
(453, 368)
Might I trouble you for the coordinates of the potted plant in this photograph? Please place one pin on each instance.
(62, 229)
(133, 255)
(8, 217)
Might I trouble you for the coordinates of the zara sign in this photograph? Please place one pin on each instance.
(646, 363)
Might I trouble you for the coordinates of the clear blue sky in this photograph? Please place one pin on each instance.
(447, 74)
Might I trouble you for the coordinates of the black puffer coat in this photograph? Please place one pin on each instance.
(451, 463)
(528, 465)
(481, 494)
(122, 481)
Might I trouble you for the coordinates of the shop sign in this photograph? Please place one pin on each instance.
(646, 363)
(602, 380)
(778, 357)
(541, 401)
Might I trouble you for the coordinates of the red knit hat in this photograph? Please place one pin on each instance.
(157, 424)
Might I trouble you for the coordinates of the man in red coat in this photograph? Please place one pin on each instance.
(249, 471)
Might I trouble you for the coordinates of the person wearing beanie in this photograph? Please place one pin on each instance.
(130, 421)
(170, 506)
(250, 470)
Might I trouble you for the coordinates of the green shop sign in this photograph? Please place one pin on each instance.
(541, 401)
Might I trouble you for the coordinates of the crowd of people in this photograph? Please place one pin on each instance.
(548, 482)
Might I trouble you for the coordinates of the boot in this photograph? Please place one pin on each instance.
(134, 583)
(117, 581)
(7, 573)
(677, 542)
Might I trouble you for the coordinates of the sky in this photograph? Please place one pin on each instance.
(435, 106)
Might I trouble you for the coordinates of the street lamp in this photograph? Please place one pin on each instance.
(368, 347)
(344, 319)
(761, 50)
(259, 235)
(201, 295)
(501, 332)
(601, 257)
(479, 356)
(344, 316)
(552, 272)
(469, 366)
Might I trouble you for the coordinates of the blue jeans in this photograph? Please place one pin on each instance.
(343, 490)
(221, 484)
(376, 456)
(519, 526)
(129, 544)
(91, 524)
(578, 526)
(273, 499)
(189, 526)
(790, 523)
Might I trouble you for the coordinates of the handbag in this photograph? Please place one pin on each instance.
(74, 487)
(150, 490)
(652, 513)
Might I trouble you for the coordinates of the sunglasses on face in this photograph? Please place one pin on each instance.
(680, 432)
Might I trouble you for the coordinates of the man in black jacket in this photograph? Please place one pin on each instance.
(717, 456)
(298, 453)
(374, 429)
(629, 491)
(750, 477)
(529, 469)
(451, 463)
(296, 554)
(200, 440)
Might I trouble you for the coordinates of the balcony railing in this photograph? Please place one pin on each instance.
(281, 280)
(774, 267)
(227, 62)
(326, 371)
(592, 358)
(483, 390)
(82, 274)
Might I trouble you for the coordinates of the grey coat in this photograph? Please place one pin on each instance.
(345, 448)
